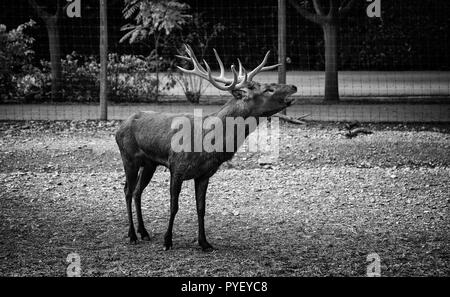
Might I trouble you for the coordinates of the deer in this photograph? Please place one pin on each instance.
(144, 141)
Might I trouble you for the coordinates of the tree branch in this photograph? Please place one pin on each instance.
(59, 9)
(289, 119)
(318, 19)
(344, 9)
(39, 10)
(334, 9)
(317, 7)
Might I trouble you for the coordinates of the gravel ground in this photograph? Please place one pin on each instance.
(320, 210)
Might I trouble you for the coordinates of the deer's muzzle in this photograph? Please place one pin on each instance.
(288, 100)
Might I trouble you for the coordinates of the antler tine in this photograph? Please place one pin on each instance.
(214, 83)
(183, 57)
(240, 68)
(194, 59)
(222, 69)
(221, 78)
(244, 80)
(269, 67)
(261, 67)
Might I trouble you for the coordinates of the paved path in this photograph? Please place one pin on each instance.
(340, 112)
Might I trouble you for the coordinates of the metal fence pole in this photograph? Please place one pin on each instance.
(282, 43)
(103, 60)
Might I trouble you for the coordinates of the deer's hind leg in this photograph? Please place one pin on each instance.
(201, 185)
(131, 174)
(145, 175)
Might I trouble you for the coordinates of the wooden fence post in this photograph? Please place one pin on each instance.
(103, 60)
(282, 43)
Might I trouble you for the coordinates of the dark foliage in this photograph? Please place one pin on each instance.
(411, 35)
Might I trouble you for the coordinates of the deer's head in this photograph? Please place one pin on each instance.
(257, 99)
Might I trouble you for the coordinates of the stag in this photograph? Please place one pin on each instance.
(144, 141)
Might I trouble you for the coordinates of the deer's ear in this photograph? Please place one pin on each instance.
(238, 94)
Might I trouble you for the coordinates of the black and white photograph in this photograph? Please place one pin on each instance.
(219, 145)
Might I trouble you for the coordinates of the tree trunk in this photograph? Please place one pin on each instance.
(157, 66)
(331, 62)
(55, 57)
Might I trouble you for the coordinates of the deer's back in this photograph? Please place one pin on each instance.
(146, 135)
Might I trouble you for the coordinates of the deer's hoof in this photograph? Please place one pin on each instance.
(132, 236)
(144, 235)
(167, 241)
(207, 248)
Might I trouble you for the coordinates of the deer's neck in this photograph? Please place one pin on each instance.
(233, 109)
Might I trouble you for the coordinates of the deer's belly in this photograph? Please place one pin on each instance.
(195, 165)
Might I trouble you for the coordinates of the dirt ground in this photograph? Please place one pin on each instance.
(320, 210)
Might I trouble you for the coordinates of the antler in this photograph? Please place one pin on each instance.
(239, 79)
(261, 67)
(206, 74)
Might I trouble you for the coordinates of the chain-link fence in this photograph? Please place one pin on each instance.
(400, 53)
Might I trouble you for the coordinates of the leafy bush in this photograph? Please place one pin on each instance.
(130, 79)
(16, 58)
(34, 85)
(80, 78)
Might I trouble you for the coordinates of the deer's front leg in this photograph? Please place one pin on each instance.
(175, 188)
(201, 185)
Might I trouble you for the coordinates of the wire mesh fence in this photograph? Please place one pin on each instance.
(402, 53)
(374, 113)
